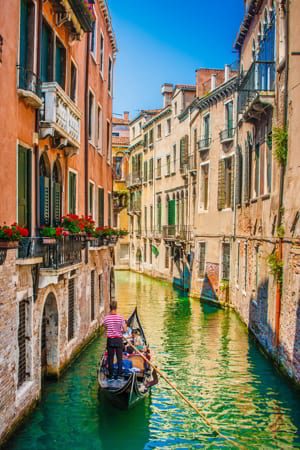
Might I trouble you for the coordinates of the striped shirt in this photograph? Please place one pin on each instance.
(114, 325)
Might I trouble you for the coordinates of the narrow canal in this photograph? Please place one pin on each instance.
(209, 355)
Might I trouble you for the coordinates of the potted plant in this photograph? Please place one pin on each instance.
(87, 225)
(72, 223)
(51, 234)
(11, 235)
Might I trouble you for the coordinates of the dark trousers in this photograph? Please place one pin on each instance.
(114, 345)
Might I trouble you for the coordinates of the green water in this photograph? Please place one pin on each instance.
(209, 355)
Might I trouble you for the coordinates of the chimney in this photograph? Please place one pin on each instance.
(126, 116)
(167, 92)
(213, 81)
(227, 72)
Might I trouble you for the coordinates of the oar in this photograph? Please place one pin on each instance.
(185, 399)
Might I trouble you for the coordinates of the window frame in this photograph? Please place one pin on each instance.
(75, 173)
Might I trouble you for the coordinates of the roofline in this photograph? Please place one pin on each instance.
(245, 25)
(112, 37)
(142, 113)
(164, 112)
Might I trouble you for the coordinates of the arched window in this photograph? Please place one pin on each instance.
(57, 190)
(45, 172)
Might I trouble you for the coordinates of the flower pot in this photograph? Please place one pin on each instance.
(4, 244)
(49, 241)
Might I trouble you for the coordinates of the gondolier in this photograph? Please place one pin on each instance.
(115, 325)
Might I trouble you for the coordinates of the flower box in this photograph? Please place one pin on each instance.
(6, 244)
(49, 241)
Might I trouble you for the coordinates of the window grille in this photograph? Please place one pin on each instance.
(226, 261)
(71, 314)
(22, 343)
(202, 251)
(92, 295)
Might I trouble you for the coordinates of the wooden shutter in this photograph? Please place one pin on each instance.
(24, 186)
(72, 193)
(221, 184)
(186, 149)
(171, 212)
(232, 181)
(238, 176)
(56, 203)
(44, 200)
(46, 53)
(101, 207)
(246, 174)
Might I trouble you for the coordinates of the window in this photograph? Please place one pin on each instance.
(117, 167)
(225, 183)
(72, 192)
(100, 207)
(73, 82)
(159, 131)
(101, 53)
(24, 187)
(158, 168)
(168, 165)
(60, 63)
(99, 127)
(91, 199)
(195, 140)
(110, 67)
(229, 118)
(245, 266)
(151, 137)
(109, 208)
(151, 169)
(168, 126)
(202, 255)
(23, 341)
(206, 128)
(27, 44)
(167, 257)
(151, 218)
(225, 261)
(91, 116)
(175, 108)
(93, 38)
(71, 308)
(145, 218)
(184, 142)
(204, 173)
(92, 295)
(46, 53)
(159, 211)
(174, 158)
(108, 136)
(145, 170)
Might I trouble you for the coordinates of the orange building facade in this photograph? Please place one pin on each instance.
(56, 85)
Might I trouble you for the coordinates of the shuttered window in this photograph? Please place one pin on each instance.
(73, 83)
(184, 151)
(202, 254)
(109, 208)
(151, 169)
(71, 309)
(92, 295)
(44, 200)
(27, 44)
(100, 207)
(46, 53)
(221, 184)
(225, 261)
(247, 172)
(171, 212)
(72, 192)
(60, 64)
(238, 176)
(226, 183)
(204, 186)
(159, 214)
(24, 187)
(56, 203)
(22, 343)
(145, 171)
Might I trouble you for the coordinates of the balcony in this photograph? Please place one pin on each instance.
(29, 87)
(169, 231)
(227, 135)
(133, 180)
(76, 15)
(60, 118)
(60, 254)
(204, 143)
(193, 163)
(135, 207)
(177, 232)
(257, 90)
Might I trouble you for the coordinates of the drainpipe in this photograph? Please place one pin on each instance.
(86, 135)
(37, 121)
(285, 10)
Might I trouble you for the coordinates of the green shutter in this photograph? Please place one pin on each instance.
(229, 115)
(171, 212)
(221, 185)
(44, 200)
(238, 176)
(72, 193)
(100, 207)
(57, 203)
(24, 186)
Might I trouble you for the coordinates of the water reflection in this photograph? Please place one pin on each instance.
(211, 358)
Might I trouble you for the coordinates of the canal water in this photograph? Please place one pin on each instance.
(209, 355)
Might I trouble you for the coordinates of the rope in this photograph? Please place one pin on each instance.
(186, 400)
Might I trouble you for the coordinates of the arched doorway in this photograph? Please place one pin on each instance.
(57, 190)
(45, 176)
(49, 337)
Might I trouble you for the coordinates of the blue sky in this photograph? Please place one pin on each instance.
(165, 41)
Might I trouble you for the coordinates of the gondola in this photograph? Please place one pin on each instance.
(136, 381)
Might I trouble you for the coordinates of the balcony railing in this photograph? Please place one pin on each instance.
(134, 179)
(259, 80)
(204, 143)
(193, 162)
(59, 254)
(169, 231)
(227, 135)
(60, 117)
(177, 232)
(135, 207)
(29, 87)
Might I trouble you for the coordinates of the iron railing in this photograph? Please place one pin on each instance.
(177, 232)
(28, 81)
(259, 78)
(204, 143)
(134, 179)
(227, 134)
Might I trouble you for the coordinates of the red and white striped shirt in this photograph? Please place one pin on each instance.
(114, 324)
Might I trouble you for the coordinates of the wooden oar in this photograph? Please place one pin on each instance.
(185, 399)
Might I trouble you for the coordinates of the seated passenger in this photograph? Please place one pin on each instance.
(137, 339)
